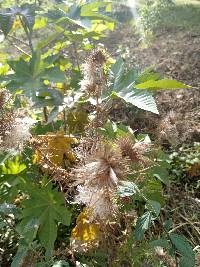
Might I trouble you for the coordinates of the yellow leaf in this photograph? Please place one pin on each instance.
(36, 157)
(85, 230)
(16, 24)
(77, 121)
(55, 147)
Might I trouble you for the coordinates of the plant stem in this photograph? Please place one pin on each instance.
(76, 56)
(28, 34)
(45, 114)
(64, 121)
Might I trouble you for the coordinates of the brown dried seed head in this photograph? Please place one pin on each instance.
(4, 97)
(132, 150)
(89, 87)
(103, 169)
(97, 180)
(98, 56)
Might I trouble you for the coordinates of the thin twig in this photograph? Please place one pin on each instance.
(181, 225)
(19, 48)
(16, 39)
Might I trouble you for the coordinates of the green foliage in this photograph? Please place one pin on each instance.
(126, 86)
(46, 205)
(26, 13)
(13, 167)
(142, 225)
(123, 87)
(152, 13)
(183, 247)
(43, 76)
(161, 84)
(185, 165)
(170, 15)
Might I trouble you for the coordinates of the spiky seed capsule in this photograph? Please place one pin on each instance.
(94, 80)
(14, 131)
(98, 56)
(167, 130)
(99, 179)
(132, 150)
(104, 168)
(4, 97)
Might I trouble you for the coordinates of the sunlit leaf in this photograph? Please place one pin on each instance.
(13, 166)
(56, 147)
(85, 230)
(140, 99)
(161, 84)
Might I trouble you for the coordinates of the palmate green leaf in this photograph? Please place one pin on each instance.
(143, 224)
(7, 17)
(29, 77)
(123, 87)
(138, 98)
(47, 205)
(82, 15)
(183, 247)
(161, 84)
(132, 86)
